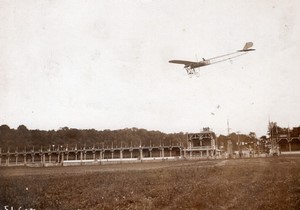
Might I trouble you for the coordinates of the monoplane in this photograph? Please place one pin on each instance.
(190, 66)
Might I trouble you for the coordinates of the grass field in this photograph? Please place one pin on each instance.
(261, 183)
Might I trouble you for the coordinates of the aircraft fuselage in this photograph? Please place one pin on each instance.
(198, 64)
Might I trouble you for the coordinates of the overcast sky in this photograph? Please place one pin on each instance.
(104, 64)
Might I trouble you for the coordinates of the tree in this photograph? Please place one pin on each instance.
(4, 129)
(252, 135)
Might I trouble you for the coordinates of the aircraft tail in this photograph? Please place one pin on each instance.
(246, 47)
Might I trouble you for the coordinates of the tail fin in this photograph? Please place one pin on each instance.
(246, 47)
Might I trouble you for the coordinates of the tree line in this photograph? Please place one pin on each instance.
(22, 138)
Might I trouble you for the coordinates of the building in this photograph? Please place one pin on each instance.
(284, 140)
(202, 144)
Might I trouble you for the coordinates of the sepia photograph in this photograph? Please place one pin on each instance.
(148, 104)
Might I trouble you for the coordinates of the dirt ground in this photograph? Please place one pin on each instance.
(257, 183)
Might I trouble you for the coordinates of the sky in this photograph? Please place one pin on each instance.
(104, 64)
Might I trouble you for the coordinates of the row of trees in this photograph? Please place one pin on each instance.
(23, 137)
(240, 141)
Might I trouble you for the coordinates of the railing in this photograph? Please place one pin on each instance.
(67, 150)
(200, 148)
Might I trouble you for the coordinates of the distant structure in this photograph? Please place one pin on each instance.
(199, 145)
(202, 144)
(89, 156)
(284, 140)
(229, 143)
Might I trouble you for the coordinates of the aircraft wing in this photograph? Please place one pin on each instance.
(187, 63)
